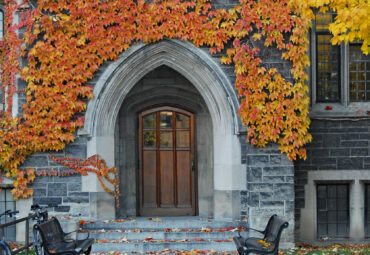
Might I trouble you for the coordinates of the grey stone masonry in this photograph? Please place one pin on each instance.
(62, 194)
(336, 145)
(270, 188)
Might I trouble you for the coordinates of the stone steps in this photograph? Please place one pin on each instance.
(141, 247)
(165, 234)
(159, 235)
(161, 223)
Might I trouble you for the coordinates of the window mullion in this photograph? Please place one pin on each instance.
(344, 81)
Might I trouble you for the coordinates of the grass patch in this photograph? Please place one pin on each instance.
(361, 249)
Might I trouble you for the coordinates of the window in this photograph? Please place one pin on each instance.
(1, 23)
(367, 210)
(327, 62)
(340, 74)
(332, 210)
(7, 203)
(359, 74)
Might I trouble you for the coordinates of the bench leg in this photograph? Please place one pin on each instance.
(243, 253)
(88, 251)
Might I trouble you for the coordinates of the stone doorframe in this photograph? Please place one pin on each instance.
(197, 66)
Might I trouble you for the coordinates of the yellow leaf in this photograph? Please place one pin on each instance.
(256, 36)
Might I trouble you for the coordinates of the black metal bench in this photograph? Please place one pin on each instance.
(54, 240)
(270, 242)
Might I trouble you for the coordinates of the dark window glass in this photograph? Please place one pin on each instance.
(174, 130)
(327, 61)
(149, 139)
(328, 79)
(322, 20)
(367, 210)
(166, 139)
(149, 121)
(165, 120)
(182, 121)
(7, 203)
(1, 24)
(359, 74)
(332, 210)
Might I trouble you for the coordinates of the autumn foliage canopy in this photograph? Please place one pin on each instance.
(65, 42)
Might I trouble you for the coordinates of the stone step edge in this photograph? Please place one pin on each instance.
(157, 226)
(169, 251)
(113, 236)
(159, 223)
(162, 241)
(167, 230)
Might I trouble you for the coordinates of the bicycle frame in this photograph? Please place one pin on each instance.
(14, 222)
(6, 248)
(3, 244)
(41, 215)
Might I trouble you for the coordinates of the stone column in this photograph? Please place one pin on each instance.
(270, 189)
(357, 217)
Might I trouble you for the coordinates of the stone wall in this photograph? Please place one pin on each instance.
(63, 193)
(268, 175)
(270, 188)
(336, 145)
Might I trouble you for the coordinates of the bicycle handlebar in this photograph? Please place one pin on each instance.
(35, 207)
(9, 212)
(41, 214)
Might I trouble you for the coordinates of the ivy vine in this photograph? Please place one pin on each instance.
(65, 42)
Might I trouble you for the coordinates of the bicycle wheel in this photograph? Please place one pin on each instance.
(37, 243)
(4, 248)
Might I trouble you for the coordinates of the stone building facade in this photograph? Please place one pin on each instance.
(232, 179)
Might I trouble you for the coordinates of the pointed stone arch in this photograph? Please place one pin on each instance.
(198, 67)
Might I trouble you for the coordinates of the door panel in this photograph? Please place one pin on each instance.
(167, 185)
(149, 179)
(183, 179)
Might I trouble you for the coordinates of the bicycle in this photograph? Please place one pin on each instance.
(4, 246)
(41, 215)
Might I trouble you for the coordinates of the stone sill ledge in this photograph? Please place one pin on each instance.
(336, 110)
(333, 241)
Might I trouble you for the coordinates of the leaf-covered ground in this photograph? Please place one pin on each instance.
(363, 249)
(327, 250)
(303, 249)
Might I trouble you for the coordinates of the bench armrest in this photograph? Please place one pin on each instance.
(66, 234)
(88, 234)
(262, 232)
(241, 226)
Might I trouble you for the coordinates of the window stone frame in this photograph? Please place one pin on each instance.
(344, 108)
(356, 180)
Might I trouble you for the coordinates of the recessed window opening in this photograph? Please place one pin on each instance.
(333, 210)
(7, 203)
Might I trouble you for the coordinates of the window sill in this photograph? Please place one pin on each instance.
(336, 110)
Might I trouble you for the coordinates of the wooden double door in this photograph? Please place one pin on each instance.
(167, 162)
